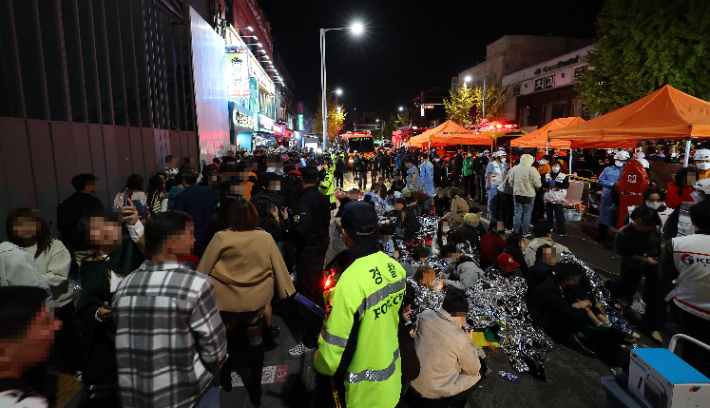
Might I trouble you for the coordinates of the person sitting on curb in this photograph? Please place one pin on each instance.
(544, 267)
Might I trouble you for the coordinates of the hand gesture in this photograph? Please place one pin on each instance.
(652, 261)
(104, 312)
(284, 213)
(130, 214)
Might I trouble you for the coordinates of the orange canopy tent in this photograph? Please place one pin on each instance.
(665, 114)
(539, 138)
(448, 134)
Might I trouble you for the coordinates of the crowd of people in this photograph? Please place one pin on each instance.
(147, 301)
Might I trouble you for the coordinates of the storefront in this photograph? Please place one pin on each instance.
(264, 131)
(545, 92)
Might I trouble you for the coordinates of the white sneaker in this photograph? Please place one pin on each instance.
(300, 349)
(79, 376)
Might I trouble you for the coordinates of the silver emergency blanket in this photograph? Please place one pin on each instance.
(426, 298)
(499, 300)
(429, 227)
(602, 294)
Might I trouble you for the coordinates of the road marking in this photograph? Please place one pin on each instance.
(269, 375)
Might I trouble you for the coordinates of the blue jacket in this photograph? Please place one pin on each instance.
(427, 175)
(200, 202)
(398, 162)
(607, 179)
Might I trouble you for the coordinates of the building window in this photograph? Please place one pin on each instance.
(516, 90)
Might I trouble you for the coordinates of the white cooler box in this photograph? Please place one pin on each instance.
(661, 379)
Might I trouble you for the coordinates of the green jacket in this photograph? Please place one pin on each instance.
(467, 166)
(365, 303)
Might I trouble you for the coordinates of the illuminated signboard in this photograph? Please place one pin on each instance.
(241, 120)
(237, 72)
(266, 124)
(300, 122)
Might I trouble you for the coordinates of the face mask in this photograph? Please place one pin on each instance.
(503, 159)
(543, 162)
(556, 169)
(674, 154)
(320, 168)
(703, 165)
(653, 205)
(470, 155)
(696, 196)
(619, 163)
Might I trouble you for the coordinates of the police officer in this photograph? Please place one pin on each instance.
(327, 186)
(358, 343)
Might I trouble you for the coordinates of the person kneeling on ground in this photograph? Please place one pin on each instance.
(450, 365)
(563, 309)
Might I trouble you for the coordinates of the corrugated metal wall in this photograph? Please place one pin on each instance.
(90, 86)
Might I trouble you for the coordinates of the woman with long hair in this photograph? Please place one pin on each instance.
(679, 190)
(245, 266)
(155, 192)
(28, 229)
(135, 185)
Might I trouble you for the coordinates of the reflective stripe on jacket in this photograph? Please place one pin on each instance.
(370, 290)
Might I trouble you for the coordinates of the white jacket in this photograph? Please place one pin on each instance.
(691, 255)
(524, 177)
(53, 264)
(17, 268)
(531, 251)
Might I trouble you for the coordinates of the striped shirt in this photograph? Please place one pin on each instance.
(170, 340)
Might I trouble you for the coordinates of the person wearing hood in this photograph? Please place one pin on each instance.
(469, 229)
(556, 185)
(608, 180)
(702, 162)
(525, 180)
(495, 174)
(175, 191)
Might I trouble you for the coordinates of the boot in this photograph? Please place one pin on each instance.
(576, 345)
(256, 365)
(225, 377)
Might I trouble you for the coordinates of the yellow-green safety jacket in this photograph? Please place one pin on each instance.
(369, 290)
(327, 187)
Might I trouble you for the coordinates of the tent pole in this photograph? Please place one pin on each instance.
(687, 151)
(547, 148)
(570, 161)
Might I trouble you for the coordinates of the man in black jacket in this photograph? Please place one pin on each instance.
(70, 211)
(310, 226)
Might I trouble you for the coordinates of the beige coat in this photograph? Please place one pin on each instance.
(244, 267)
(459, 208)
(449, 362)
(524, 177)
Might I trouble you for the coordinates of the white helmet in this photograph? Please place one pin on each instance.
(486, 151)
(499, 154)
(622, 155)
(702, 154)
(703, 185)
(646, 165)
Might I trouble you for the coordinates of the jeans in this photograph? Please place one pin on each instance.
(424, 209)
(493, 203)
(210, 399)
(523, 210)
(481, 184)
(559, 213)
(362, 183)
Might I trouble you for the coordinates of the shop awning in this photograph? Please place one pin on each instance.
(539, 138)
(665, 114)
(449, 134)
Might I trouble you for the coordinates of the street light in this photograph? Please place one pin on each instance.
(468, 79)
(357, 28)
(338, 91)
(401, 109)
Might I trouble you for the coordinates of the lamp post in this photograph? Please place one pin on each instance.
(356, 29)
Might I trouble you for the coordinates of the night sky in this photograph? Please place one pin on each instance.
(407, 46)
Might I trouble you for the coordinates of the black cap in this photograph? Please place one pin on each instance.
(359, 218)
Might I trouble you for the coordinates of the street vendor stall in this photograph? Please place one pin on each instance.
(448, 134)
